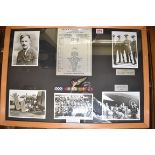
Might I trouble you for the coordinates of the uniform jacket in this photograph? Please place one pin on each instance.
(127, 44)
(28, 59)
(133, 46)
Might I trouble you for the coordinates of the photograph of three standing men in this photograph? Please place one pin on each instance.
(124, 49)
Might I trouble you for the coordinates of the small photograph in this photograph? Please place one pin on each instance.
(27, 104)
(73, 106)
(124, 49)
(25, 48)
(121, 105)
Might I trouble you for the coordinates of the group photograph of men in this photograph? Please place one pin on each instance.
(73, 105)
(27, 104)
(124, 49)
(120, 106)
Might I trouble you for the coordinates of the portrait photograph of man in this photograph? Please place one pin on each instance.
(25, 48)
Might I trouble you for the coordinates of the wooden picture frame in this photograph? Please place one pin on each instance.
(29, 124)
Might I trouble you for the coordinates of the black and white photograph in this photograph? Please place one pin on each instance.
(121, 105)
(124, 49)
(73, 106)
(25, 48)
(27, 103)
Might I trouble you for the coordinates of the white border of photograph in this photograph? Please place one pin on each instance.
(127, 111)
(35, 35)
(122, 64)
(26, 107)
(75, 110)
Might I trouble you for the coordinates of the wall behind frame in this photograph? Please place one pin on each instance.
(151, 40)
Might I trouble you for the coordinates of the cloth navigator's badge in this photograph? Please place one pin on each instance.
(77, 85)
(78, 82)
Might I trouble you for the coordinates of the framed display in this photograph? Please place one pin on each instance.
(75, 77)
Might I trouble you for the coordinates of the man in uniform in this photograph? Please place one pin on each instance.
(114, 50)
(127, 48)
(133, 48)
(120, 48)
(27, 56)
(134, 111)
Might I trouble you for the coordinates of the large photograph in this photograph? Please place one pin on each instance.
(124, 49)
(74, 52)
(27, 104)
(121, 105)
(25, 48)
(73, 105)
